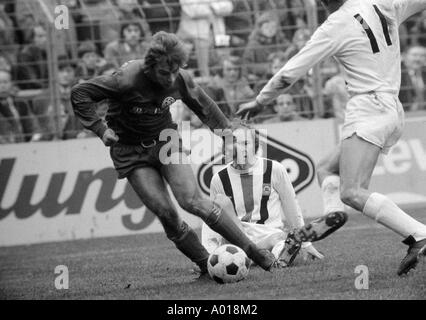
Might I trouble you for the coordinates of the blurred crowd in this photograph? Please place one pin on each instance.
(235, 45)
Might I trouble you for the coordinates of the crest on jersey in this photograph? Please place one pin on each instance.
(266, 190)
(168, 102)
(275, 150)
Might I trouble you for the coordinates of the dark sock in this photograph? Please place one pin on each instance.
(226, 227)
(189, 244)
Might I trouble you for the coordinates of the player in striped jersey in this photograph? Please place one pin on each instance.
(363, 36)
(264, 201)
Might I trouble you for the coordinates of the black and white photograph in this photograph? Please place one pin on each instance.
(206, 157)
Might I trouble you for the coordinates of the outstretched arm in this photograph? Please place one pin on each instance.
(406, 8)
(322, 45)
(283, 186)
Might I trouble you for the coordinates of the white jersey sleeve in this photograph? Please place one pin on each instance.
(323, 44)
(406, 8)
(289, 203)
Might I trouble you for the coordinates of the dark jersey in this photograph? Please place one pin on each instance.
(138, 108)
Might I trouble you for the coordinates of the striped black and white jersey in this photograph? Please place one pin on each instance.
(263, 194)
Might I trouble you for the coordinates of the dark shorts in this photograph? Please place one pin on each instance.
(127, 158)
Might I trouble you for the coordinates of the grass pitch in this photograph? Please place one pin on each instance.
(150, 267)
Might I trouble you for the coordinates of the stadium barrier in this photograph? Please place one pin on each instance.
(55, 191)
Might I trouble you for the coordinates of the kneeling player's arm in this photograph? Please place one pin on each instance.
(283, 186)
(84, 97)
(203, 106)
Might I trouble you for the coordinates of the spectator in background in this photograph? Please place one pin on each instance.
(413, 80)
(239, 24)
(291, 13)
(130, 46)
(162, 15)
(336, 96)
(265, 39)
(32, 71)
(99, 22)
(131, 10)
(418, 31)
(301, 36)
(88, 63)
(16, 121)
(302, 96)
(7, 35)
(202, 21)
(60, 123)
(5, 63)
(285, 109)
(231, 85)
(276, 61)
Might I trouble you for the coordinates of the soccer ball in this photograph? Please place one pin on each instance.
(228, 264)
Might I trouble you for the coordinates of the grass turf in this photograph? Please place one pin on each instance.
(150, 267)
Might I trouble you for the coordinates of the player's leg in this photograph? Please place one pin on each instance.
(358, 159)
(219, 214)
(329, 181)
(151, 189)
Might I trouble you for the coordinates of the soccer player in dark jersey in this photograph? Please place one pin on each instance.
(139, 95)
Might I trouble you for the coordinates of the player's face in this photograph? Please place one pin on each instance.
(416, 58)
(66, 76)
(276, 65)
(285, 104)
(269, 29)
(40, 38)
(132, 34)
(165, 74)
(5, 82)
(244, 146)
(231, 72)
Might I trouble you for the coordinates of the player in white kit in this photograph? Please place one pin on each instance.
(264, 201)
(363, 36)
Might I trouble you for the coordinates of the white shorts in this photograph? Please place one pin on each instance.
(263, 236)
(376, 117)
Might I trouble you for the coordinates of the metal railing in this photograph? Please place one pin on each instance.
(253, 10)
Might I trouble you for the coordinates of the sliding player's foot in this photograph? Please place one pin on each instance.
(288, 250)
(416, 251)
(322, 227)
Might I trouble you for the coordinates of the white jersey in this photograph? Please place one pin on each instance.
(363, 36)
(248, 189)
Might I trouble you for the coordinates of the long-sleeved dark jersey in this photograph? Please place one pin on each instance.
(138, 107)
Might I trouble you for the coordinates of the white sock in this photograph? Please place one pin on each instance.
(387, 213)
(331, 194)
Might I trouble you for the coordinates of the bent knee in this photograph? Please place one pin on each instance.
(190, 203)
(166, 215)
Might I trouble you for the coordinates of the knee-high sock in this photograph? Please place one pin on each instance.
(330, 189)
(223, 224)
(380, 208)
(189, 244)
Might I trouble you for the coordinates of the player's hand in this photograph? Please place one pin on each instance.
(249, 109)
(309, 252)
(109, 138)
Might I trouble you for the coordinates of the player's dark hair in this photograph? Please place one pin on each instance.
(166, 45)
